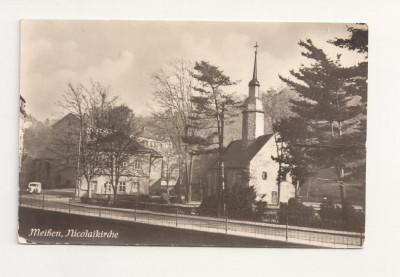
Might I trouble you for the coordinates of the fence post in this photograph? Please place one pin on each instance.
(176, 217)
(69, 205)
(361, 239)
(100, 209)
(43, 201)
(20, 198)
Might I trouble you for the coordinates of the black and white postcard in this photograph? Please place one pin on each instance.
(193, 133)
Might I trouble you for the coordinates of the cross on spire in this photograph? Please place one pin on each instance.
(256, 46)
(254, 81)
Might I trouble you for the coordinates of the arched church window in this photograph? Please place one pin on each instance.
(264, 175)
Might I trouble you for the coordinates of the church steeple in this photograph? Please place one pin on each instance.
(253, 113)
(254, 81)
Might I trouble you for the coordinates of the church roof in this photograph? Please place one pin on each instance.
(235, 156)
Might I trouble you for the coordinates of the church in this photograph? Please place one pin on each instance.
(248, 162)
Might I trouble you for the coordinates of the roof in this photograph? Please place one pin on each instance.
(237, 157)
(145, 150)
(69, 116)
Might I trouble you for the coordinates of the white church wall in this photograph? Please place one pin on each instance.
(262, 162)
(287, 192)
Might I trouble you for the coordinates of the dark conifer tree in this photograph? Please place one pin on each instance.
(217, 107)
(332, 112)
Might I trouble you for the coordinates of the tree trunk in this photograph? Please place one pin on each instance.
(187, 178)
(280, 157)
(167, 175)
(78, 161)
(222, 166)
(332, 131)
(344, 202)
(89, 191)
(190, 179)
(180, 175)
(340, 128)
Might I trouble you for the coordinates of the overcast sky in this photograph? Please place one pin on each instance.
(124, 54)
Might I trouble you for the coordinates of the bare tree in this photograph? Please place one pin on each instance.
(173, 91)
(87, 105)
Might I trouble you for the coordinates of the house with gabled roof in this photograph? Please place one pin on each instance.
(139, 174)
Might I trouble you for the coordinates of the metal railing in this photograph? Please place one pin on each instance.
(175, 216)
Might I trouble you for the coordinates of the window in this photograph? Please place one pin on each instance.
(274, 197)
(93, 185)
(107, 187)
(121, 186)
(124, 165)
(264, 175)
(135, 186)
(138, 164)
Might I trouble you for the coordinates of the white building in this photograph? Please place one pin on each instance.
(140, 175)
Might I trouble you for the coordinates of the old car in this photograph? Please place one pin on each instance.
(34, 187)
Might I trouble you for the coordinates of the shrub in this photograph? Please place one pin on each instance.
(295, 213)
(353, 220)
(240, 203)
(329, 216)
(175, 199)
(330, 212)
(209, 206)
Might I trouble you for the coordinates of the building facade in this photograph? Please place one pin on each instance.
(169, 159)
(55, 164)
(140, 175)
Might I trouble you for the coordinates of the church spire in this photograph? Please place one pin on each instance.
(254, 81)
(253, 113)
